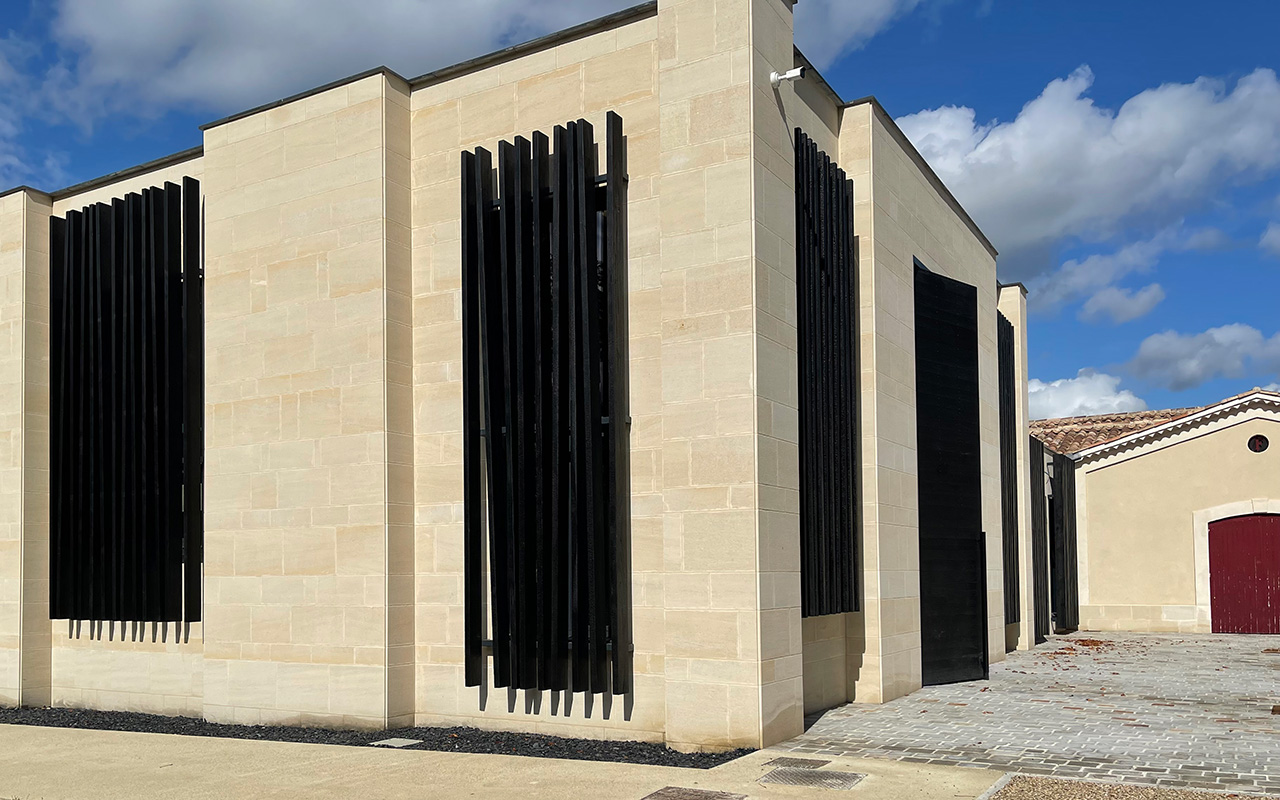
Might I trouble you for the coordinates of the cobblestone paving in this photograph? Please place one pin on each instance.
(1166, 710)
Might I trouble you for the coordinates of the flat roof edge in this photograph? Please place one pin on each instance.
(613, 20)
(22, 187)
(129, 172)
(616, 19)
(920, 162)
(293, 98)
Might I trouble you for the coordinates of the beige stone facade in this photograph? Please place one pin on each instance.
(334, 486)
(1149, 498)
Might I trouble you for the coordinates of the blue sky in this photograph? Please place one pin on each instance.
(1123, 157)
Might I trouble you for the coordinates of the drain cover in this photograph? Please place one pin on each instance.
(1275, 711)
(813, 778)
(798, 763)
(680, 793)
(395, 742)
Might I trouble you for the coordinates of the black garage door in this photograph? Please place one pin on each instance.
(953, 593)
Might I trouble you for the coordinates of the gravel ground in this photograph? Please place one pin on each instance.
(453, 740)
(1022, 787)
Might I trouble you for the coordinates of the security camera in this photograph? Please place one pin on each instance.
(796, 74)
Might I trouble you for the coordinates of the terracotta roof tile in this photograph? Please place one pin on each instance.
(1070, 435)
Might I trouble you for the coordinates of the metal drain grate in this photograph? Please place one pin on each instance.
(681, 793)
(798, 763)
(813, 778)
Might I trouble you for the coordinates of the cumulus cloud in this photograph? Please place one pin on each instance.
(1180, 361)
(235, 53)
(827, 29)
(1066, 168)
(1121, 305)
(1270, 240)
(1090, 392)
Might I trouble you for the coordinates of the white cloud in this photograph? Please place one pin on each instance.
(827, 29)
(1065, 168)
(1180, 361)
(1270, 240)
(235, 53)
(1089, 392)
(1121, 305)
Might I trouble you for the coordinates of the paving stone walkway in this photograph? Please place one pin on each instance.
(1166, 710)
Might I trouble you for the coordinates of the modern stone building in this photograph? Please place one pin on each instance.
(334, 573)
(1177, 515)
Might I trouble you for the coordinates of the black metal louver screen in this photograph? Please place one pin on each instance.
(1062, 540)
(546, 412)
(1039, 540)
(1008, 466)
(953, 564)
(827, 337)
(127, 409)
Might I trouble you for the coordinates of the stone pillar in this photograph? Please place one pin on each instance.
(1013, 304)
(732, 622)
(309, 614)
(25, 632)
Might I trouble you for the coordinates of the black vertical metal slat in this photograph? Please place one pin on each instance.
(619, 405)
(193, 425)
(848, 365)
(77, 316)
(1062, 546)
(58, 585)
(561, 482)
(804, 365)
(579, 630)
(473, 218)
(150, 489)
(135, 545)
(595, 477)
(490, 279)
(172, 402)
(540, 399)
(1008, 466)
(523, 394)
(1039, 541)
(511, 572)
(110, 433)
(92, 418)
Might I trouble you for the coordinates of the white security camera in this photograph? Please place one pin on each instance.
(796, 74)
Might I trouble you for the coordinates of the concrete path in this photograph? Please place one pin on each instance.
(58, 764)
(1167, 710)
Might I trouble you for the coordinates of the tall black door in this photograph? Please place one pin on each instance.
(953, 590)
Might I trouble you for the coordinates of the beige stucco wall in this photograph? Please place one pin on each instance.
(1150, 505)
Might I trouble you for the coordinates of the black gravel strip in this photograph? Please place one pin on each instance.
(449, 740)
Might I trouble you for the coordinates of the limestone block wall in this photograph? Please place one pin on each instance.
(610, 70)
(306, 300)
(109, 669)
(908, 217)
(1013, 304)
(24, 448)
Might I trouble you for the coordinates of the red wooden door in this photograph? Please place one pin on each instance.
(1244, 574)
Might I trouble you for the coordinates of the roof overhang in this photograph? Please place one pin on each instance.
(1256, 399)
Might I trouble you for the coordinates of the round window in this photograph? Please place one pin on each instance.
(1258, 443)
